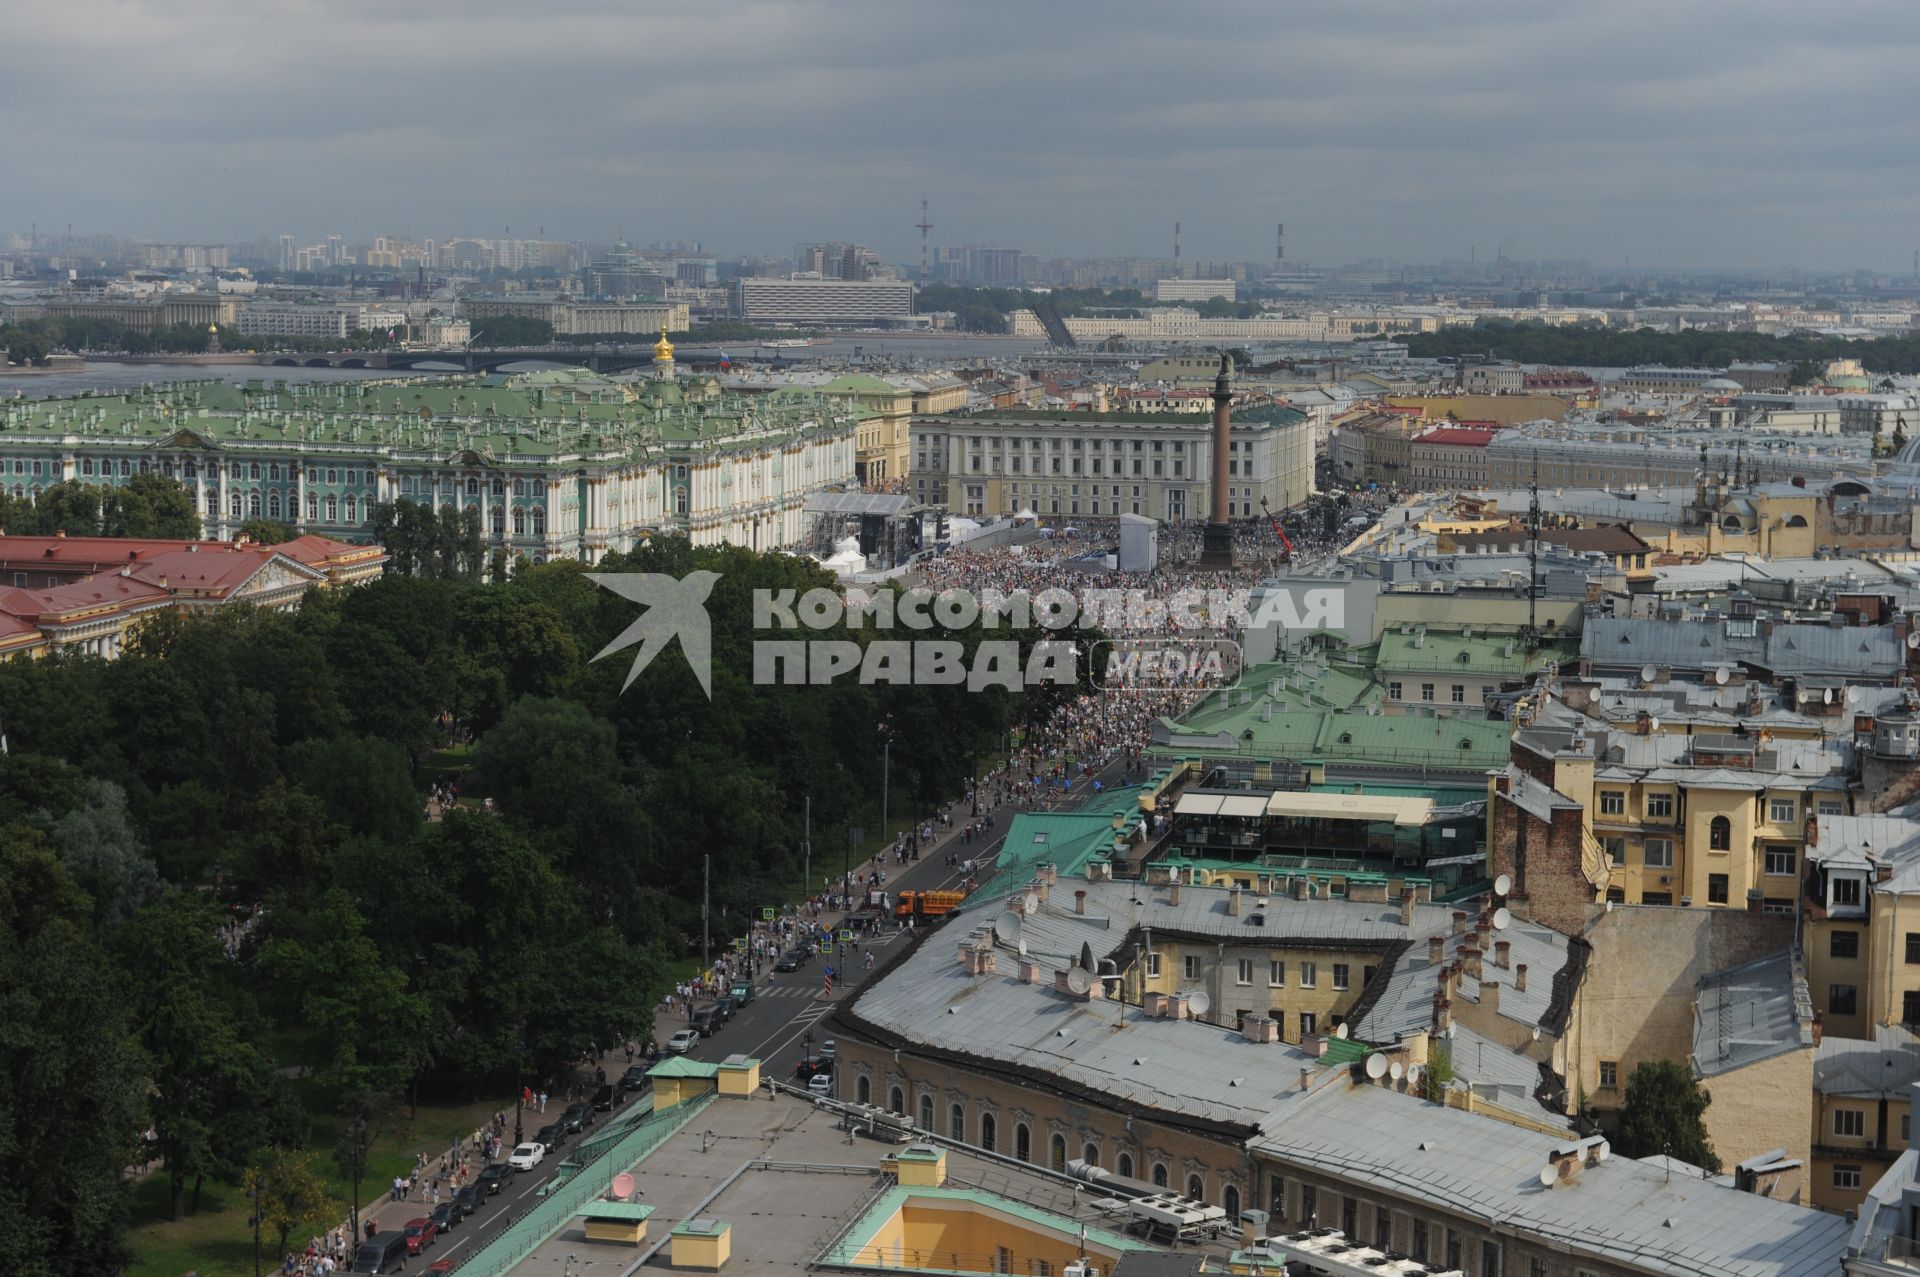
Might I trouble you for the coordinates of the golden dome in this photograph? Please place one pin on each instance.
(663, 349)
(213, 328)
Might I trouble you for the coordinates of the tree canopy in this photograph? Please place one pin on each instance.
(1532, 342)
(1664, 1113)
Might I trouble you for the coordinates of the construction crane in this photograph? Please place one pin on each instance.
(1286, 551)
(923, 226)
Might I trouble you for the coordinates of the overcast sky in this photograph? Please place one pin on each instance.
(1691, 134)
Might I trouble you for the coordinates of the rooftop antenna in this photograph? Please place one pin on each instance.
(923, 226)
(1280, 245)
(1176, 241)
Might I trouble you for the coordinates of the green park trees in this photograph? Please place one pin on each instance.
(1665, 1113)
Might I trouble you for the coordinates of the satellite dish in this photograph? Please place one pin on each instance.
(1022, 947)
(1720, 676)
(1647, 672)
(1603, 1152)
(1396, 1070)
(1007, 928)
(1078, 981)
(1502, 919)
(1853, 696)
(1826, 696)
(1413, 1075)
(1029, 903)
(1503, 884)
(1548, 1175)
(1340, 1031)
(1653, 723)
(1376, 1066)
(622, 1186)
(1199, 1003)
(1913, 639)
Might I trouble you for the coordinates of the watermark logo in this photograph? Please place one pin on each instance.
(1163, 664)
(676, 608)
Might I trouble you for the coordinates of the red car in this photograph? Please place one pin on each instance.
(421, 1234)
(439, 1268)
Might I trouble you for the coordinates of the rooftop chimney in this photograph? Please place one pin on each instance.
(1502, 952)
(1173, 892)
(1470, 959)
(1300, 888)
(1080, 902)
(1490, 996)
(1259, 1028)
(1047, 872)
(1459, 922)
(1406, 906)
(1233, 902)
(1039, 889)
(1520, 978)
(1436, 950)
(1306, 1077)
(1029, 971)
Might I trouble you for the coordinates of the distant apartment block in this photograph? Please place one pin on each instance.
(1192, 290)
(824, 301)
(289, 320)
(571, 318)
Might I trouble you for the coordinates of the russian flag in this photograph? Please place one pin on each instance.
(724, 361)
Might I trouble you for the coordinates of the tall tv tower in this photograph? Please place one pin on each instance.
(1279, 243)
(924, 226)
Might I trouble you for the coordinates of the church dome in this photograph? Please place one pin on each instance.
(663, 349)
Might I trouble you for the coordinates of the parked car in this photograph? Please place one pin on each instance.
(577, 1118)
(421, 1233)
(381, 1253)
(494, 1178)
(445, 1216)
(549, 1136)
(827, 1050)
(526, 1156)
(440, 1268)
(603, 1098)
(821, 1084)
(811, 1065)
(635, 1078)
(708, 1017)
(683, 1041)
(791, 960)
(469, 1198)
(741, 993)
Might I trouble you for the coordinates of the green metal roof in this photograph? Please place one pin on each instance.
(628, 1211)
(537, 416)
(681, 1066)
(1344, 1051)
(1486, 656)
(1329, 737)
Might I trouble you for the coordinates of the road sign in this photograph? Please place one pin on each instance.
(766, 913)
(829, 973)
(846, 936)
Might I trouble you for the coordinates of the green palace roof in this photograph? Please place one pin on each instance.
(536, 416)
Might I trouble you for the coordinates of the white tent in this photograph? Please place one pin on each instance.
(846, 562)
(961, 529)
(1025, 516)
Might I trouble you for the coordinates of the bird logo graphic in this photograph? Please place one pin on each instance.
(676, 607)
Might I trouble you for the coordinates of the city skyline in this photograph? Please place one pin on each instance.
(1656, 137)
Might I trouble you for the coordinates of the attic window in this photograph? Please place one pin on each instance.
(1625, 639)
(1346, 738)
(1465, 657)
(1247, 735)
(1466, 743)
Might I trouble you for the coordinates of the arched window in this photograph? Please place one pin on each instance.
(498, 487)
(235, 506)
(926, 1112)
(253, 471)
(519, 522)
(473, 487)
(273, 469)
(213, 504)
(1159, 1174)
(1057, 1153)
(253, 505)
(863, 1091)
(987, 1131)
(679, 500)
(126, 468)
(957, 1122)
(1090, 1154)
(1124, 1165)
(333, 510)
(1196, 1188)
(1023, 1143)
(273, 505)
(1720, 834)
(539, 523)
(313, 507)
(499, 519)
(519, 487)
(1230, 1200)
(353, 510)
(86, 465)
(897, 1101)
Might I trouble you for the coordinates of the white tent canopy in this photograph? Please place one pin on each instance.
(1025, 516)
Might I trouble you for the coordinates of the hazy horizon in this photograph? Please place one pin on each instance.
(1681, 138)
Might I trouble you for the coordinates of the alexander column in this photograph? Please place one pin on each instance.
(1216, 549)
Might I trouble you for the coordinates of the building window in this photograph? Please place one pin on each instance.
(1780, 860)
(1459, 693)
(333, 510)
(1613, 802)
(1609, 1073)
(1277, 1198)
(987, 1131)
(253, 505)
(1023, 1142)
(1309, 974)
(1536, 1266)
(1850, 1124)
(1393, 691)
(1196, 1188)
(1426, 691)
(1192, 966)
(1124, 1165)
(1657, 853)
(313, 507)
(1720, 834)
(1244, 971)
(1277, 971)
(1659, 806)
(1846, 891)
(1383, 1227)
(1057, 1153)
(863, 1090)
(1846, 1177)
(1913, 948)
(1716, 889)
(1308, 1023)
(1340, 974)
(957, 1122)
(1841, 999)
(1909, 1016)
(1843, 944)
(1616, 849)
(1489, 1259)
(1159, 1174)
(1309, 1204)
(1831, 807)
(1090, 1154)
(1002, 1260)
(1153, 966)
(1782, 811)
